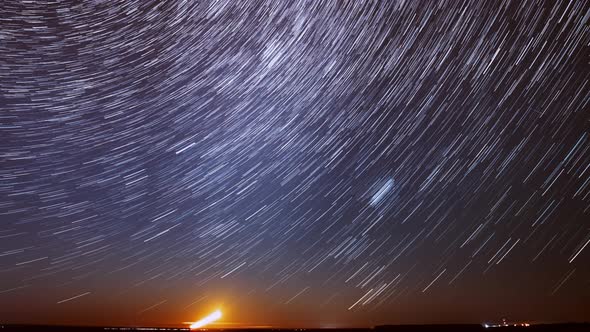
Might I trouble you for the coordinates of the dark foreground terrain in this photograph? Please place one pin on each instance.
(388, 328)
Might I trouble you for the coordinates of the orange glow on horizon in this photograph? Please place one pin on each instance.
(212, 317)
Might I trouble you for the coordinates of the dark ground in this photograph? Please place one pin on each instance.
(389, 328)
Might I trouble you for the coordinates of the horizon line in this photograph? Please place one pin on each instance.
(268, 327)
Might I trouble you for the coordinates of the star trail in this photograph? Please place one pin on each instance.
(294, 163)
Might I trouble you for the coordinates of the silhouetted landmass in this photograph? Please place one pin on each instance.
(58, 328)
(573, 327)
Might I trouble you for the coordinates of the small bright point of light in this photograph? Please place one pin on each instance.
(215, 315)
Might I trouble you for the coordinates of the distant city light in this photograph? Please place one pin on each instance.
(505, 324)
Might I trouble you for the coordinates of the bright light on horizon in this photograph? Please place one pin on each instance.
(215, 315)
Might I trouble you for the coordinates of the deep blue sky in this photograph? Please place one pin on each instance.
(296, 163)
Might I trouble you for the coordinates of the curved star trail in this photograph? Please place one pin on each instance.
(360, 159)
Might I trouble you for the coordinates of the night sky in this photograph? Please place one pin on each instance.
(294, 163)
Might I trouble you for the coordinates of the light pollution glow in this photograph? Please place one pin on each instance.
(207, 320)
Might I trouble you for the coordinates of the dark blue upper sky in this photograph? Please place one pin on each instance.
(297, 163)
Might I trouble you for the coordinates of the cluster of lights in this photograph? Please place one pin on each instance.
(506, 325)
